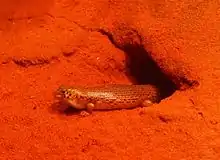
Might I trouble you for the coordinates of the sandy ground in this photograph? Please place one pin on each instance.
(173, 44)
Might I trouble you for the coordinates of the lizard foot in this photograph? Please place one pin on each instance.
(84, 113)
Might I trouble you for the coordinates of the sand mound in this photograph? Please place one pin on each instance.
(174, 45)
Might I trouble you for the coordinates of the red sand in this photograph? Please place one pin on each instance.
(48, 43)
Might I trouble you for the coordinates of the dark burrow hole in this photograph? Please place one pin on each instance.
(141, 69)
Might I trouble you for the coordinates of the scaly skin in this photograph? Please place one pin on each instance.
(108, 97)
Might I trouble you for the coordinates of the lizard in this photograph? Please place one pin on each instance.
(108, 96)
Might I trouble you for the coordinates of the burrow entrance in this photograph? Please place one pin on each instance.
(141, 69)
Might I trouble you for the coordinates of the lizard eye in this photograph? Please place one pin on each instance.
(67, 94)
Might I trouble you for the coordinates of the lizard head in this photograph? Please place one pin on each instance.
(64, 93)
(69, 96)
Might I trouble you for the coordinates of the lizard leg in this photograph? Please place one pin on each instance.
(146, 103)
(89, 108)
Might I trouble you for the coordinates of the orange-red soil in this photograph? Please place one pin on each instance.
(45, 44)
